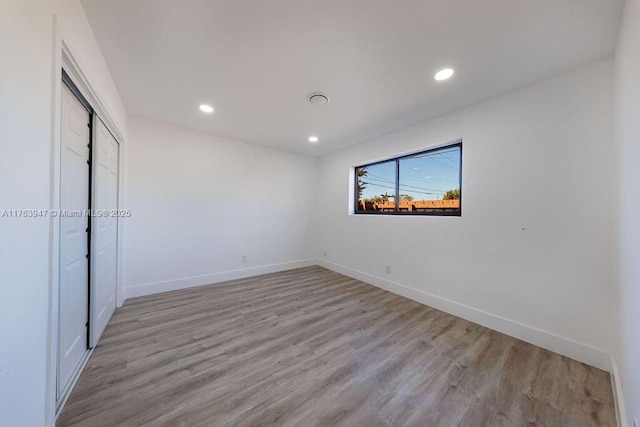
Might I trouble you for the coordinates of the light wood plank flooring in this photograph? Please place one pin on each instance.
(310, 347)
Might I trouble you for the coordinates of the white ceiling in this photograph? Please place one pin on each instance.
(256, 61)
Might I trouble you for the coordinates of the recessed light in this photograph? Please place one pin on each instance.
(313, 139)
(444, 74)
(318, 98)
(206, 108)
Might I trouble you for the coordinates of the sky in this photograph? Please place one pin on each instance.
(425, 177)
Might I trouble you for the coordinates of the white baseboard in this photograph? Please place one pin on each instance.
(618, 398)
(561, 345)
(206, 279)
(565, 346)
(72, 382)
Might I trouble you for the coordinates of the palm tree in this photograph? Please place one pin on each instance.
(360, 185)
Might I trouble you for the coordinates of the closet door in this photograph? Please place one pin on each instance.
(74, 232)
(104, 229)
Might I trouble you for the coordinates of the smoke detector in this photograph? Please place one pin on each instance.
(318, 98)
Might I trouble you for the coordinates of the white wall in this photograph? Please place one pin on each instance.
(200, 202)
(533, 253)
(26, 92)
(76, 32)
(544, 146)
(627, 324)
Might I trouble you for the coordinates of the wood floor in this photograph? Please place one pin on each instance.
(310, 347)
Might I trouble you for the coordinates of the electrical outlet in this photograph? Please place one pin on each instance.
(324, 254)
(243, 259)
(387, 269)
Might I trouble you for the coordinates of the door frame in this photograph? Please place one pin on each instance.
(63, 57)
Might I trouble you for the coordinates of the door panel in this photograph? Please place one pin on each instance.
(104, 229)
(74, 265)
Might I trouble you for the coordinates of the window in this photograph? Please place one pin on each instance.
(424, 183)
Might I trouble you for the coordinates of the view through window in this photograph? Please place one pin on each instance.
(425, 183)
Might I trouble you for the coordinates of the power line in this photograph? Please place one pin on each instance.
(406, 186)
(434, 193)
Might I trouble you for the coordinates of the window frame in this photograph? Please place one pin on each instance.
(397, 159)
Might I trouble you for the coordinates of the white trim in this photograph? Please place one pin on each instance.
(206, 279)
(121, 225)
(618, 397)
(54, 228)
(62, 57)
(72, 381)
(564, 346)
(74, 69)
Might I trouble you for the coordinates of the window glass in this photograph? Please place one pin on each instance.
(425, 183)
(430, 182)
(376, 187)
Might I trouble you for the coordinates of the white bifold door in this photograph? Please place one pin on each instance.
(74, 237)
(104, 229)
